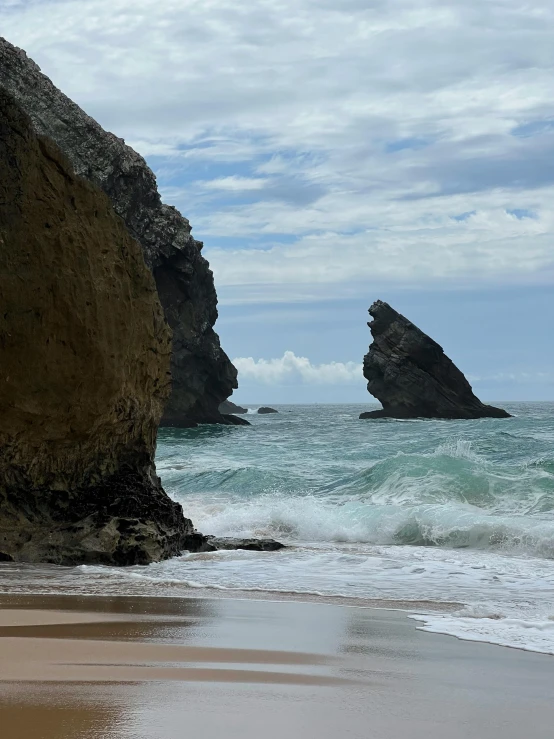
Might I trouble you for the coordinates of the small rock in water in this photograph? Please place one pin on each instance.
(265, 409)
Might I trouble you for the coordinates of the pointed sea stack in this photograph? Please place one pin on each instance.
(412, 377)
(202, 374)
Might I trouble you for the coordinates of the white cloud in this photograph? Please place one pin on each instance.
(515, 377)
(235, 183)
(290, 369)
(490, 245)
(358, 131)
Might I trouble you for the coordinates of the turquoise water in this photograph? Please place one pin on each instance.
(452, 520)
(318, 474)
(446, 511)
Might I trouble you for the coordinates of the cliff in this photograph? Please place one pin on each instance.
(412, 377)
(202, 374)
(84, 369)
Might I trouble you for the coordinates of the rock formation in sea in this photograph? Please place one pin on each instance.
(412, 377)
(229, 407)
(202, 374)
(253, 545)
(84, 369)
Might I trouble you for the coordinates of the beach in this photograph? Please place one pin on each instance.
(416, 554)
(164, 668)
(276, 390)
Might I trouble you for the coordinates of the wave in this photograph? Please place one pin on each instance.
(450, 497)
(312, 519)
(454, 473)
(545, 465)
(243, 480)
(451, 473)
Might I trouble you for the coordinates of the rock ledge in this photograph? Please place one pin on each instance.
(253, 545)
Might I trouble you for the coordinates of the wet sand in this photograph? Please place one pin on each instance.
(164, 668)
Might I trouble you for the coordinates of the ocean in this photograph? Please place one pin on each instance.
(452, 521)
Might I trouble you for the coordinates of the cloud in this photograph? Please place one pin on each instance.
(491, 247)
(515, 377)
(234, 183)
(293, 370)
(317, 144)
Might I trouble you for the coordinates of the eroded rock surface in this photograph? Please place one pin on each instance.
(202, 374)
(412, 377)
(84, 369)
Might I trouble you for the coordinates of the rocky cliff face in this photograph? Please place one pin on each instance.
(84, 369)
(202, 374)
(412, 377)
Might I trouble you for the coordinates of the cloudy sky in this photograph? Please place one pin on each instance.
(331, 152)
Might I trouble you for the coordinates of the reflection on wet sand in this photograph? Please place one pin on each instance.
(167, 668)
(35, 713)
(123, 644)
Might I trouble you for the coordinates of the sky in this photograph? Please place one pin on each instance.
(333, 152)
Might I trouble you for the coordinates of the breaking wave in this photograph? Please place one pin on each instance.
(451, 497)
(452, 511)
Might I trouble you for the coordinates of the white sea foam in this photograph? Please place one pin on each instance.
(311, 518)
(532, 636)
(459, 449)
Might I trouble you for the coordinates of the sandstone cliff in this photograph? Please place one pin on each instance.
(412, 377)
(84, 369)
(202, 374)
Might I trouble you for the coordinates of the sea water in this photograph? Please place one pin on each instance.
(454, 519)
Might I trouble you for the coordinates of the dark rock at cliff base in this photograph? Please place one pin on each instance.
(228, 407)
(226, 411)
(264, 409)
(254, 545)
(222, 418)
(84, 370)
(202, 374)
(236, 420)
(412, 377)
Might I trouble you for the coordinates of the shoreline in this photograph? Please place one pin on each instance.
(466, 620)
(141, 666)
(419, 612)
(259, 594)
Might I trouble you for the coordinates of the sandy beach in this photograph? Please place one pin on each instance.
(165, 668)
